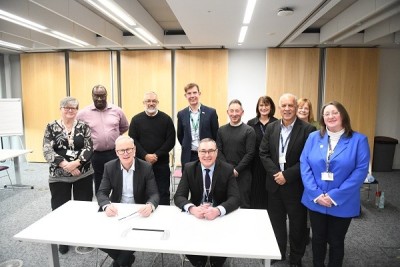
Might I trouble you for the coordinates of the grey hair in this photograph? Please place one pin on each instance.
(288, 95)
(124, 137)
(206, 140)
(69, 101)
(150, 93)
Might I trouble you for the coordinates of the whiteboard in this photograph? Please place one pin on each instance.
(11, 117)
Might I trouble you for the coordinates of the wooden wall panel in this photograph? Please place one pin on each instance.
(43, 80)
(143, 71)
(88, 69)
(209, 69)
(293, 70)
(352, 79)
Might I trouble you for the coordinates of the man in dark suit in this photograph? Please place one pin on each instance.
(195, 123)
(280, 152)
(129, 180)
(213, 191)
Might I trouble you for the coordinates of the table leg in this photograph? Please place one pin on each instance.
(54, 261)
(267, 262)
(17, 169)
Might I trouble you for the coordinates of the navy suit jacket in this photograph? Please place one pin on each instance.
(349, 165)
(224, 188)
(208, 129)
(144, 184)
(269, 155)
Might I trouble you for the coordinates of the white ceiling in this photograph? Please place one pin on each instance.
(207, 24)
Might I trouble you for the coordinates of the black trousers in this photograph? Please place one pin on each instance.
(280, 206)
(198, 261)
(327, 229)
(98, 159)
(62, 192)
(162, 173)
(122, 257)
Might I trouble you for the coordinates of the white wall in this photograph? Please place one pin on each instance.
(388, 116)
(247, 79)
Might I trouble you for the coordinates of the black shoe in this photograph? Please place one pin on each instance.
(63, 249)
(296, 264)
(131, 261)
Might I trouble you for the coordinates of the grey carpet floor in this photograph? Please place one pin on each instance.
(373, 239)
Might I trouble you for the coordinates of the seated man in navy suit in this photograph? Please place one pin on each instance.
(129, 180)
(213, 191)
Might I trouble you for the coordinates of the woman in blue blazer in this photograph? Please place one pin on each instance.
(334, 164)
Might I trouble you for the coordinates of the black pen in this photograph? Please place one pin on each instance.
(150, 230)
(127, 216)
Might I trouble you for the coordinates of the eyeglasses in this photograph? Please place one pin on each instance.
(333, 114)
(70, 109)
(204, 152)
(127, 150)
(148, 101)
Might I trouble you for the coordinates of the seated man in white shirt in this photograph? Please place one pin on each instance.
(213, 191)
(129, 180)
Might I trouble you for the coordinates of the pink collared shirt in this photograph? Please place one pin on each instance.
(106, 125)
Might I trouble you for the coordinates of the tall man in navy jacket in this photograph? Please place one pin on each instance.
(195, 123)
(280, 152)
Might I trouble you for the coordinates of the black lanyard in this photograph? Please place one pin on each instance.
(284, 144)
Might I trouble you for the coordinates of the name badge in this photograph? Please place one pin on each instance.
(282, 160)
(72, 153)
(327, 176)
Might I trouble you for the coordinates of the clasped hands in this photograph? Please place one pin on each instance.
(279, 178)
(144, 211)
(325, 200)
(204, 211)
(151, 158)
(71, 167)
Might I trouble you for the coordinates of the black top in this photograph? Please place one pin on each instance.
(153, 134)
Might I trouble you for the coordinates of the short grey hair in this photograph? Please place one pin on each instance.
(288, 95)
(150, 93)
(124, 137)
(69, 101)
(206, 140)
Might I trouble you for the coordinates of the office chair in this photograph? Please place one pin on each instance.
(5, 168)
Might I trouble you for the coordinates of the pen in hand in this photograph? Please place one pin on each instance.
(127, 216)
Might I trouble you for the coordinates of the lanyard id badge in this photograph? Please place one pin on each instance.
(327, 176)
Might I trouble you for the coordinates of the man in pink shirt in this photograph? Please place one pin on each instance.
(107, 122)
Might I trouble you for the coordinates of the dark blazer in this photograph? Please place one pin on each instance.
(269, 155)
(208, 129)
(144, 184)
(224, 188)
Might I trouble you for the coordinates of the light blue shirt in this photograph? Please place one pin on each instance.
(284, 141)
(195, 127)
(127, 184)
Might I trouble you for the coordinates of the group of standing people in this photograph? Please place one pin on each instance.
(284, 166)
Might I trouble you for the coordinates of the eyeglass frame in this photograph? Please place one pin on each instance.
(70, 108)
(126, 150)
(333, 114)
(205, 152)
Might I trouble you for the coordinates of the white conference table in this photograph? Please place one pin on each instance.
(243, 233)
(15, 154)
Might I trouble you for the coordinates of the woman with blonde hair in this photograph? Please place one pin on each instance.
(305, 112)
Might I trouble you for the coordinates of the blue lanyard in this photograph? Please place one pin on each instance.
(330, 152)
